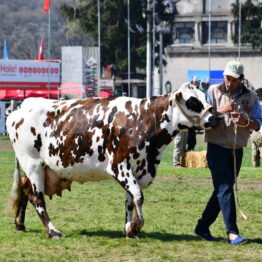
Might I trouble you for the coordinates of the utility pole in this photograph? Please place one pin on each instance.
(99, 48)
(209, 37)
(154, 46)
(148, 52)
(128, 46)
(161, 60)
(239, 27)
(162, 29)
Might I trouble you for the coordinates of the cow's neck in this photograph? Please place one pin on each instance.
(159, 116)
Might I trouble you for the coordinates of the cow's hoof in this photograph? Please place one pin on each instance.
(132, 237)
(54, 234)
(20, 228)
(131, 229)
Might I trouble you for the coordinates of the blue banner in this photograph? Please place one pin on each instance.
(204, 78)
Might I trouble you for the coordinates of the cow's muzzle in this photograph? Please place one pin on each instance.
(214, 119)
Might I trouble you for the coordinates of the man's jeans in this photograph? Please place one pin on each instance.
(221, 164)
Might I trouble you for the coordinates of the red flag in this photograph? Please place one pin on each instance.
(41, 51)
(46, 6)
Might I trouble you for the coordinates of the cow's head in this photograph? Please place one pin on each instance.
(191, 108)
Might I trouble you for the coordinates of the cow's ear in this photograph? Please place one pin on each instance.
(179, 97)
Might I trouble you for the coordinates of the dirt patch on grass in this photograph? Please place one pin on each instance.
(5, 144)
(173, 179)
(242, 183)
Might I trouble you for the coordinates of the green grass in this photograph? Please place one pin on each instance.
(91, 217)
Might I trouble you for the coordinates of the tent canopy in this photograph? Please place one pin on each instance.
(22, 94)
(70, 89)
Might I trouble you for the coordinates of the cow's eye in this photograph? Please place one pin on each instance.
(194, 104)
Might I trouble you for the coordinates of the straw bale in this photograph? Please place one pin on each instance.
(194, 159)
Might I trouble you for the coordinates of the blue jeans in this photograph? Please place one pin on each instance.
(221, 164)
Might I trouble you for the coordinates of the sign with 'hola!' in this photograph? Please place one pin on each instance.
(22, 74)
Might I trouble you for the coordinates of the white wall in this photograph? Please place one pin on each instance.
(187, 7)
(177, 67)
(72, 59)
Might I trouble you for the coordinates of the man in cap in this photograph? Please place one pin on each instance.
(241, 110)
(256, 137)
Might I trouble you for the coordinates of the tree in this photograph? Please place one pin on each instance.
(113, 30)
(251, 16)
(23, 25)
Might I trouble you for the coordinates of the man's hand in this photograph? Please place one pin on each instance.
(239, 119)
(229, 107)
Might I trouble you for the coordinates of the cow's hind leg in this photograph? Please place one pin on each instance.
(37, 198)
(26, 189)
(18, 199)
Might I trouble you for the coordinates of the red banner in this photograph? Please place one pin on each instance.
(46, 6)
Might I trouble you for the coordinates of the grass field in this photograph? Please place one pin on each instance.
(91, 217)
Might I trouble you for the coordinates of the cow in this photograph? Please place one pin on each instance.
(58, 142)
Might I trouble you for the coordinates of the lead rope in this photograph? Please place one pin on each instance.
(235, 166)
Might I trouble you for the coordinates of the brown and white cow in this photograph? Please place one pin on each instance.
(58, 142)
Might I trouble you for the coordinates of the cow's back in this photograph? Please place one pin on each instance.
(70, 137)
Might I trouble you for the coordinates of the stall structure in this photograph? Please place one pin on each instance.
(20, 79)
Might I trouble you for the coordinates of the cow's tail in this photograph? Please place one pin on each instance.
(16, 192)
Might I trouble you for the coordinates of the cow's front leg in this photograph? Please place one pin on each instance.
(37, 179)
(134, 198)
(133, 226)
(129, 214)
(138, 220)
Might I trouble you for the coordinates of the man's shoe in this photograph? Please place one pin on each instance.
(238, 241)
(206, 235)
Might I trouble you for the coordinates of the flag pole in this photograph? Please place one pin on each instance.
(47, 8)
(49, 48)
(49, 32)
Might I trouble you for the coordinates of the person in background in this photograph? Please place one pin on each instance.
(180, 143)
(191, 140)
(256, 137)
(239, 106)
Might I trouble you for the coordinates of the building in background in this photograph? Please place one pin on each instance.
(190, 51)
(80, 73)
(137, 85)
(79, 70)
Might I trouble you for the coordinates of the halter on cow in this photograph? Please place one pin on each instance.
(58, 142)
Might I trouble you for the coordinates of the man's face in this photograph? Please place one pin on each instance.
(260, 97)
(232, 83)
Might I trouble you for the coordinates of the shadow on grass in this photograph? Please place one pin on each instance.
(165, 237)
(256, 240)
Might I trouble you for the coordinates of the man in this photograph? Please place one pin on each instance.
(256, 138)
(240, 108)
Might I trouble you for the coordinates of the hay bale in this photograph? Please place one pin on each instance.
(194, 159)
